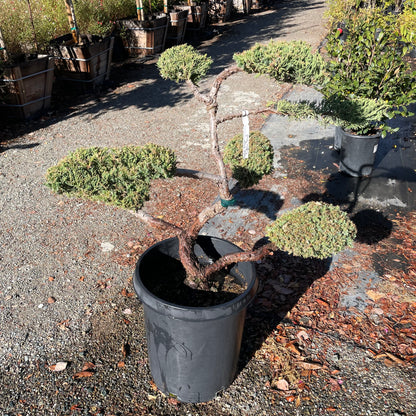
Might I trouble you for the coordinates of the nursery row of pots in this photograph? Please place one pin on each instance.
(26, 86)
(85, 60)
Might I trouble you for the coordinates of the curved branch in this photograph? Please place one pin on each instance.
(233, 258)
(220, 78)
(155, 222)
(250, 113)
(196, 174)
(205, 99)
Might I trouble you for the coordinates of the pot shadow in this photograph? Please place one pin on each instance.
(283, 280)
(389, 187)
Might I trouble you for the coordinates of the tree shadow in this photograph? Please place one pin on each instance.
(3, 148)
(389, 187)
(137, 83)
(265, 202)
(283, 280)
(372, 226)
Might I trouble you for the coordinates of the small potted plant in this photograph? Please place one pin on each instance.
(26, 71)
(195, 289)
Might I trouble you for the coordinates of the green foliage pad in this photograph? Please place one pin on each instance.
(314, 229)
(116, 176)
(249, 171)
(284, 61)
(183, 63)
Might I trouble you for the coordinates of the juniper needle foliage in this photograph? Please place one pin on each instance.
(183, 63)
(249, 171)
(116, 176)
(284, 61)
(314, 229)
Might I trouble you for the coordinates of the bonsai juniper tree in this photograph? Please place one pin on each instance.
(314, 229)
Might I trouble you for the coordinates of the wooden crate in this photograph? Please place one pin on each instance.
(197, 15)
(26, 88)
(178, 20)
(144, 38)
(87, 63)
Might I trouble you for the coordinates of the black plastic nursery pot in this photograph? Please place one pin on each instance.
(357, 153)
(193, 351)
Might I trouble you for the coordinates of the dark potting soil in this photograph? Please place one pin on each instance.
(169, 286)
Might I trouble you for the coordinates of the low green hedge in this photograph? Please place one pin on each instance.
(116, 176)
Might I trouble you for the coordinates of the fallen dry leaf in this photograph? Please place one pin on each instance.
(302, 335)
(375, 295)
(126, 293)
(281, 384)
(59, 366)
(83, 374)
(309, 366)
(395, 359)
(173, 401)
(121, 364)
(88, 366)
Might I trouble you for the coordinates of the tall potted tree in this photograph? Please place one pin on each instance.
(146, 34)
(194, 328)
(26, 71)
(83, 56)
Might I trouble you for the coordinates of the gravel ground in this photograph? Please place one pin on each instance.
(65, 299)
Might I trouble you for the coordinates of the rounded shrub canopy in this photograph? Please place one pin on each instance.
(315, 229)
(249, 171)
(183, 63)
(116, 176)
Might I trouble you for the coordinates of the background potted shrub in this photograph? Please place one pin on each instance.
(371, 80)
(193, 327)
(26, 72)
(146, 34)
(178, 20)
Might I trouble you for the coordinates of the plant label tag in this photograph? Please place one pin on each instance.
(375, 148)
(246, 135)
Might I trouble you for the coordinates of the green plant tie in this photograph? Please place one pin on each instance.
(74, 28)
(140, 8)
(227, 202)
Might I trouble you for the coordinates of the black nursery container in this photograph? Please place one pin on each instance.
(193, 351)
(357, 153)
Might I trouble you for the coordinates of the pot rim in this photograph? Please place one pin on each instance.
(202, 312)
(360, 136)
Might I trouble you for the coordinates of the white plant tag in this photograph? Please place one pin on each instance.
(246, 135)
